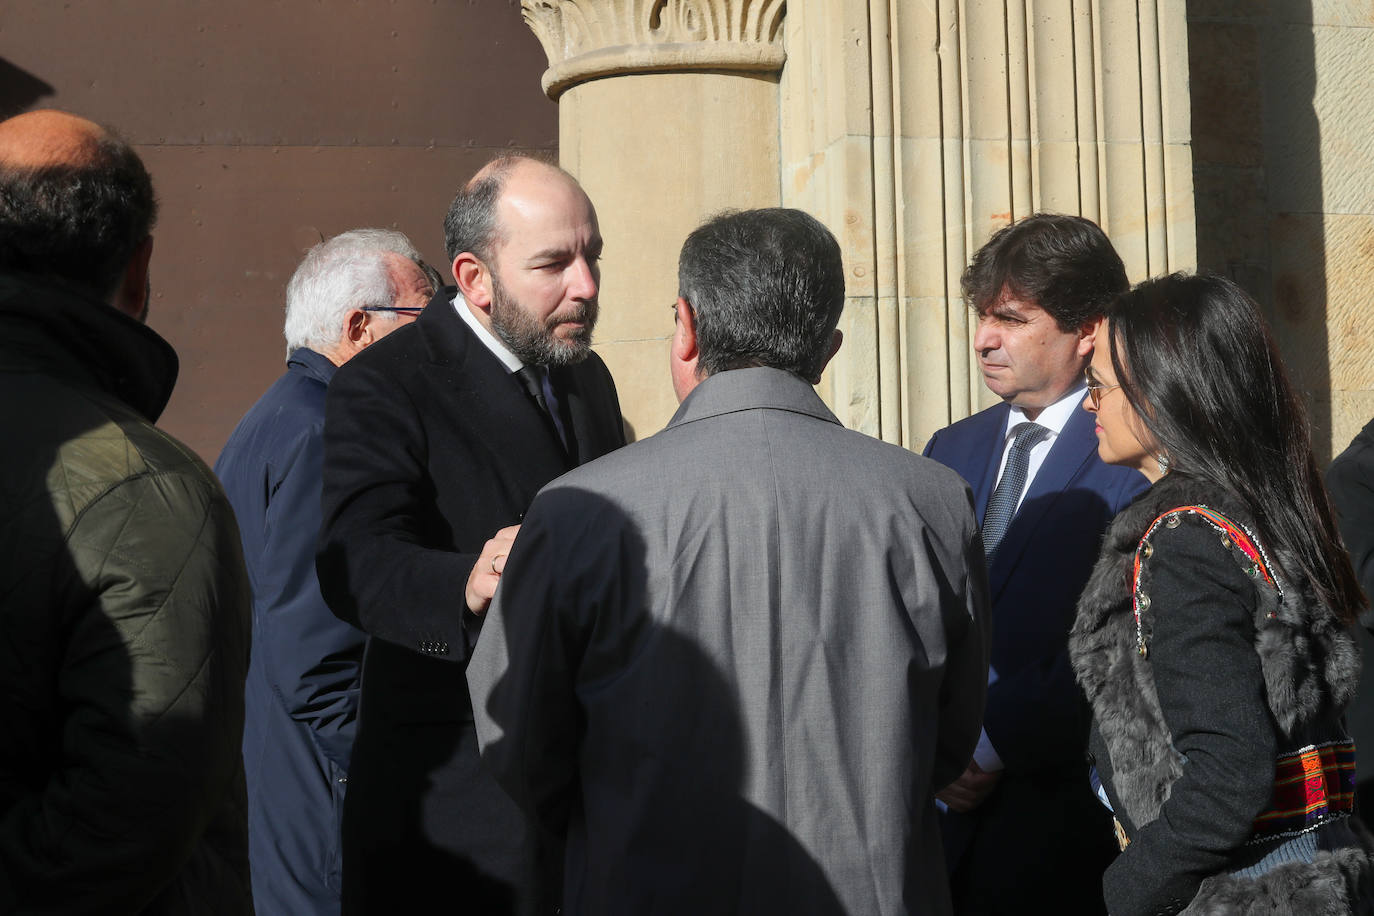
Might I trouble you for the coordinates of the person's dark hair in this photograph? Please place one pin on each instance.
(80, 224)
(766, 288)
(1065, 264)
(1198, 364)
(436, 280)
(470, 224)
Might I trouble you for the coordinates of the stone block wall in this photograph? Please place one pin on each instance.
(1283, 140)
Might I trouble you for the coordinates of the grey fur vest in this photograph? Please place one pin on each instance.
(1310, 667)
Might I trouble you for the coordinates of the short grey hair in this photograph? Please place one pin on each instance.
(346, 272)
(766, 288)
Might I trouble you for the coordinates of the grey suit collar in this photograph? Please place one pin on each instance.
(751, 389)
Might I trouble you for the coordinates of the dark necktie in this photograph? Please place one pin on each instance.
(532, 380)
(1002, 505)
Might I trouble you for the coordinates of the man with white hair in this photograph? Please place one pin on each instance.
(302, 688)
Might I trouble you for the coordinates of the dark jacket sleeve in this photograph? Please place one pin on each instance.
(1037, 716)
(1351, 479)
(523, 674)
(152, 679)
(309, 657)
(376, 568)
(963, 692)
(1211, 693)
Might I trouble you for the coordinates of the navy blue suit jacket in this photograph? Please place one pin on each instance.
(1036, 718)
(1036, 715)
(301, 693)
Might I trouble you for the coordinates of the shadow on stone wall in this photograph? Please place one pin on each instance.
(19, 89)
(1258, 178)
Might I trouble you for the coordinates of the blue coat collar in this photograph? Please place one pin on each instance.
(311, 364)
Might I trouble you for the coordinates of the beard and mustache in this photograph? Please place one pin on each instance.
(534, 340)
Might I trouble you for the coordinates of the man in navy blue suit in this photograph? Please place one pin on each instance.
(1023, 831)
(301, 693)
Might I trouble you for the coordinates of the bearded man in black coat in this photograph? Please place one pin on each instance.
(436, 440)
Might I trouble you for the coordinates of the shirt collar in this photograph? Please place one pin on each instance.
(488, 339)
(1055, 417)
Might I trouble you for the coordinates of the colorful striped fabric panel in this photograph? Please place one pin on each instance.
(1311, 786)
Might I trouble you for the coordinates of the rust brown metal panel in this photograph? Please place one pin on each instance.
(239, 219)
(293, 72)
(267, 125)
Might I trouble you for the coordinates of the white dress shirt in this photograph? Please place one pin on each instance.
(1053, 418)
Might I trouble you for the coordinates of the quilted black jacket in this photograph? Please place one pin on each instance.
(124, 626)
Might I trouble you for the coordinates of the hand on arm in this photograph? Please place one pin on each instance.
(383, 565)
(486, 572)
(523, 673)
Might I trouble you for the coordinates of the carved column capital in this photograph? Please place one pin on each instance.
(586, 39)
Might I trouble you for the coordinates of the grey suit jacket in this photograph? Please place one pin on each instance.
(732, 663)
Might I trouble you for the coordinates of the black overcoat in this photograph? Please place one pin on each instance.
(431, 446)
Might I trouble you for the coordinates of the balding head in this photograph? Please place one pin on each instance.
(44, 139)
(473, 222)
(527, 265)
(76, 205)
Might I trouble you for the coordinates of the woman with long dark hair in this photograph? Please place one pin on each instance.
(1213, 638)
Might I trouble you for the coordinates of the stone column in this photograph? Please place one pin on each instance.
(668, 112)
(913, 128)
(1283, 115)
(916, 129)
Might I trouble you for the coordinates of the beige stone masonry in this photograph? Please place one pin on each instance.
(668, 112)
(912, 128)
(953, 119)
(1321, 205)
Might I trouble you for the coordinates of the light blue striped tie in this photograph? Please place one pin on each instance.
(1002, 505)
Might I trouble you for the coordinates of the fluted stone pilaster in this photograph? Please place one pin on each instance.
(916, 130)
(913, 130)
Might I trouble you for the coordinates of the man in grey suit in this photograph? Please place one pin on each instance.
(733, 662)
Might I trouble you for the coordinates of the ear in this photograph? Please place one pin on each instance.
(685, 334)
(836, 338)
(131, 296)
(683, 353)
(473, 280)
(1087, 336)
(356, 333)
